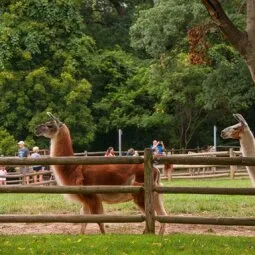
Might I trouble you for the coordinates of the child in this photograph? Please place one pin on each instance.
(37, 169)
(3, 174)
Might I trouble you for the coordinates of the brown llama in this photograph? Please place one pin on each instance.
(87, 175)
(242, 132)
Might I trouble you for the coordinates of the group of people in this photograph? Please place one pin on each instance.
(23, 152)
(157, 148)
(110, 152)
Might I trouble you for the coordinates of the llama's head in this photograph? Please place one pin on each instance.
(236, 131)
(49, 129)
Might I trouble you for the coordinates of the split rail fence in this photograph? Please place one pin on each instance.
(148, 189)
(181, 171)
(178, 172)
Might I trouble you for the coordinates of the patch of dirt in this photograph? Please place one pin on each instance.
(122, 228)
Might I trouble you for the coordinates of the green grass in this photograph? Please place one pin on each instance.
(210, 205)
(207, 205)
(184, 244)
(126, 244)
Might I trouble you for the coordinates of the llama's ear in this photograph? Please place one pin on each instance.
(53, 117)
(240, 119)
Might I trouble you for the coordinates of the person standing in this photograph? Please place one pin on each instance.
(3, 174)
(161, 148)
(23, 152)
(38, 168)
(130, 152)
(110, 152)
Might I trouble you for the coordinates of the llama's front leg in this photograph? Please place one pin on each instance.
(96, 207)
(83, 211)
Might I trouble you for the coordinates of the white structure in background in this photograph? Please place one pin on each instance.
(215, 137)
(120, 136)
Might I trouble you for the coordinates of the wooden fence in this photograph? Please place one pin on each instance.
(149, 216)
(181, 171)
(16, 178)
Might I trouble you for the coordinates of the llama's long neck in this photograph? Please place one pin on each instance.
(61, 145)
(247, 144)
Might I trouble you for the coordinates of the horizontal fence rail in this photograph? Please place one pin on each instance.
(71, 219)
(97, 160)
(125, 189)
(205, 190)
(71, 189)
(241, 161)
(10, 161)
(207, 220)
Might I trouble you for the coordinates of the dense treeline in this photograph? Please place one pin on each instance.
(155, 69)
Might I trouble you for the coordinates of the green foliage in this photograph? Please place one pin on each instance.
(165, 26)
(44, 59)
(176, 86)
(75, 59)
(228, 88)
(116, 101)
(109, 21)
(8, 145)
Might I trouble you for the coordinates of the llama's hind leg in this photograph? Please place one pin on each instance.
(139, 201)
(160, 209)
(83, 211)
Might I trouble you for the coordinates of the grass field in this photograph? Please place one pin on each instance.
(126, 244)
(205, 205)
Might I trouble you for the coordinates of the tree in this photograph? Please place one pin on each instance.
(45, 65)
(181, 98)
(164, 27)
(243, 41)
(228, 69)
(171, 28)
(8, 145)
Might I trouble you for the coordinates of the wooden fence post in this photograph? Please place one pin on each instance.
(233, 169)
(148, 192)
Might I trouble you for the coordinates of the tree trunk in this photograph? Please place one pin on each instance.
(244, 42)
(251, 37)
(118, 6)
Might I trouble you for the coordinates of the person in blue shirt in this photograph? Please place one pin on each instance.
(23, 152)
(158, 147)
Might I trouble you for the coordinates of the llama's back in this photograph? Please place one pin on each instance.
(115, 174)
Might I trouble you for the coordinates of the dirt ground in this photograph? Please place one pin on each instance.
(122, 228)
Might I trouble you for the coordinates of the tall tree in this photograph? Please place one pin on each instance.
(243, 41)
(45, 63)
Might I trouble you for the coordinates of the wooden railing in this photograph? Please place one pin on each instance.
(148, 187)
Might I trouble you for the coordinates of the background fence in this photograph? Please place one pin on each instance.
(180, 171)
(148, 188)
